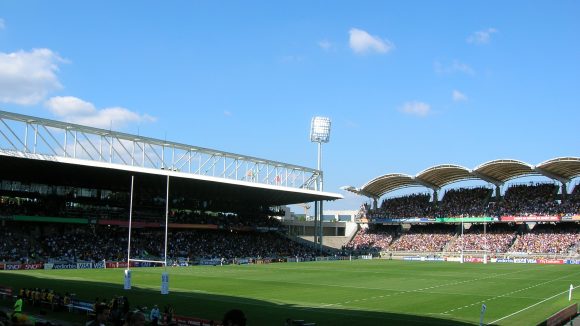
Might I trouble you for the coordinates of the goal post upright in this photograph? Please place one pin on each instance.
(130, 222)
(127, 285)
(165, 275)
(485, 247)
(166, 220)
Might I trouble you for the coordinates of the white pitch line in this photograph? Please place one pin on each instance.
(528, 307)
(426, 288)
(507, 294)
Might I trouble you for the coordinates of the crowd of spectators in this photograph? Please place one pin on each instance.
(571, 205)
(235, 244)
(495, 239)
(526, 200)
(549, 238)
(533, 199)
(236, 234)
(464, 202)
(414, 205)
(59, 207)
(563, 238)
(425, 238)
(97, 243)
(374, 239)
(224, 220)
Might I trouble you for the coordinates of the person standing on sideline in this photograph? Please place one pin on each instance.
(18, 305)
(18, 317)
(154, 315)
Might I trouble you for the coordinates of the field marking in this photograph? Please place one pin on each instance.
(497, 297)
(422, 289)
(531, 306)
(349, 311)
(385, 315)
(397, 291)
(507, 294)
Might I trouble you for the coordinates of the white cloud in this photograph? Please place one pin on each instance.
(454, 67)
(362, 42)
(325, 45)
(458, 96)
(2, 25)
(481, 37)
(26, 78)
(416, 108)
(76, 110)
(228, 113)
(64, 106)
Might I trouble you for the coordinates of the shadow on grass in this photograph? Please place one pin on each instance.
(212, 306)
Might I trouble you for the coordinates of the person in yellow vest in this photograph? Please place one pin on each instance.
(37, 297)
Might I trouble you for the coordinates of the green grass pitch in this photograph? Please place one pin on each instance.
(377, 292)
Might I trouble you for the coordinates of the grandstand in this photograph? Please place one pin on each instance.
(61, 182)
(536, 219)
(66, 193)
(87, 193)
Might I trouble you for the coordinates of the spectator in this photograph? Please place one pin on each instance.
(549, 239)
(424, 238)
(102, 312)
(234, 317)
(496, 239)
(375, 239)
(154, 315)
(134, 318)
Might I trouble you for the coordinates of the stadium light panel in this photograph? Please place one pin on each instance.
(320, 130)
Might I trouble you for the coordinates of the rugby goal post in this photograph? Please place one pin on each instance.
(164, 275)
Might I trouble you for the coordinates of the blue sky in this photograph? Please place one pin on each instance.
(407, 84)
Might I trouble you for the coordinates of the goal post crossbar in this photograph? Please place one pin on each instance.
(147, 261)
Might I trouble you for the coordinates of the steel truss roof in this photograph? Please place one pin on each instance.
(49, 140)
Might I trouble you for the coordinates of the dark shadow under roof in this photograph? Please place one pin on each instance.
(48, 172)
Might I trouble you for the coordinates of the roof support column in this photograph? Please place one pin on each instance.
(435, 197)
(564, 190)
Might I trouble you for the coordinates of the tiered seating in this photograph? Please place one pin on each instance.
(373, 239)
(548, 238)
(415, 205)
(464, 202)
(496, 239)
(525, 200)
(424, 238)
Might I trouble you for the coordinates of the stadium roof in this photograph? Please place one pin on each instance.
(38, 150)
(496, 172)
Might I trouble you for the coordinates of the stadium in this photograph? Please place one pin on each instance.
(92, 216)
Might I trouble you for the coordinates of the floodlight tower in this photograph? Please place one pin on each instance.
(319, 133)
